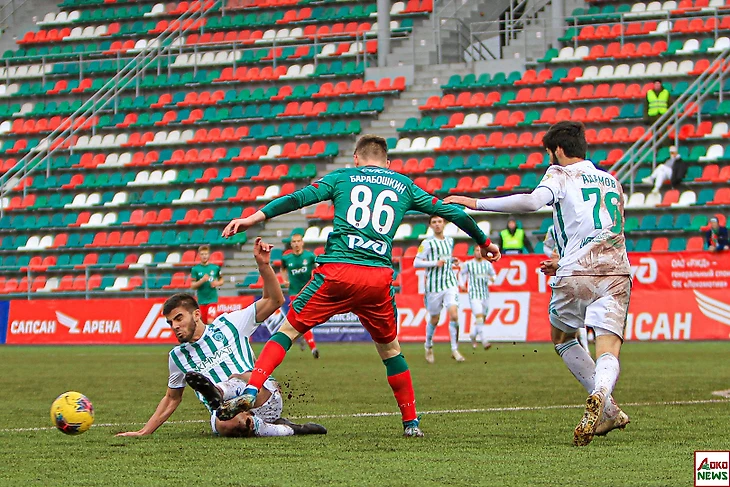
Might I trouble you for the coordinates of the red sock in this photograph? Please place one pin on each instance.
(309, 338)
(271, 356)
(403, 391)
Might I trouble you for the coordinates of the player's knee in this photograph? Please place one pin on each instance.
(559, 336)
(239, 427)
(289, 330)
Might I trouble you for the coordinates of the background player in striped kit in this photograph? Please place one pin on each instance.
(217, 361)
(478, 274)
(442, 288)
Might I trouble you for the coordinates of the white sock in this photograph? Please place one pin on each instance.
(483, 334)
(454, 335)
(607, 371)
(262, 428)
(231, 388)
(430, 330)
(474, 331)
(581, 364)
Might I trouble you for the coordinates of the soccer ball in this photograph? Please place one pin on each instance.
(72, 413)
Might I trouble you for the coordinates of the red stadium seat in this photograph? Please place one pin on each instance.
(660, 244)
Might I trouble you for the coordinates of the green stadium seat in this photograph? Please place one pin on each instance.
(698, 222)
(678, 244)
(665, 222)
(631, 223)
(648, 223)
(643, 245)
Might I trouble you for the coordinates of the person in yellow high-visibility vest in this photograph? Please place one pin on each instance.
(658, 100)
(513, 239)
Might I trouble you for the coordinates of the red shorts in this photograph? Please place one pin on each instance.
(337, 288)
(208, 312)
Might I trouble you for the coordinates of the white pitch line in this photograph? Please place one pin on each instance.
(380, 414)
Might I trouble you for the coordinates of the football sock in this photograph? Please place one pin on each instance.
(483, 334)
(309, 338)
(399, 379)
(474, 331)
(454, 334)
(607, 371)
(271, 356)
(581, 365)
(231, 388)
(583, 338)
(430, 330)
(262, 428)
(579, 362)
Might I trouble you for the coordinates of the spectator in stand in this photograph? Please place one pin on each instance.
(657, 102)
(664, 172)
(513, 239)
(206, 281)
(716, 236)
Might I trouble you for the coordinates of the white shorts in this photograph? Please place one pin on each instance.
(435, 302)
(595, 301)
(269, 411)
(479, 306)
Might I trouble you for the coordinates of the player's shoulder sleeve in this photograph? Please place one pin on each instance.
(555, 179)
(195, 273)
(176, 380)
(310, 255)
(424, 249)
(328, 182)
(244, 320)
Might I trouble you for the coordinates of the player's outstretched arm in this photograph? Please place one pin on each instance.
(426, 203)
(314, 193)
(272, 298)
(540, 197)
(164, 410)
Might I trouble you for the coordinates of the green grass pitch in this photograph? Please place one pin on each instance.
(480, 442)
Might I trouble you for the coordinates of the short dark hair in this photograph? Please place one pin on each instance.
(430, 219)
(204, 247)
(570, 136)
(372, 147)
(185, 300)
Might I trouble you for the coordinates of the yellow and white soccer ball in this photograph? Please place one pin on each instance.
(72, 413)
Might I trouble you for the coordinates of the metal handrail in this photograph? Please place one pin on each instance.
(14, 5)
(697, 91)
(128, 73)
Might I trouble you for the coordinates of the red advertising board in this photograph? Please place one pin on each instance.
(522, 316)
(675, 296)
(654, 271)
(97, 321)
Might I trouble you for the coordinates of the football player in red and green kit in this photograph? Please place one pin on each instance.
(298, 266)
(355, 273)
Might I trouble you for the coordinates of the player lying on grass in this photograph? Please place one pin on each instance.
(592, 284)
(216, 361)
(355, 272)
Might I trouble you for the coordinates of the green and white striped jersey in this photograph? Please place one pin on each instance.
(438, 278)
(222, 350)
(477, 275)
